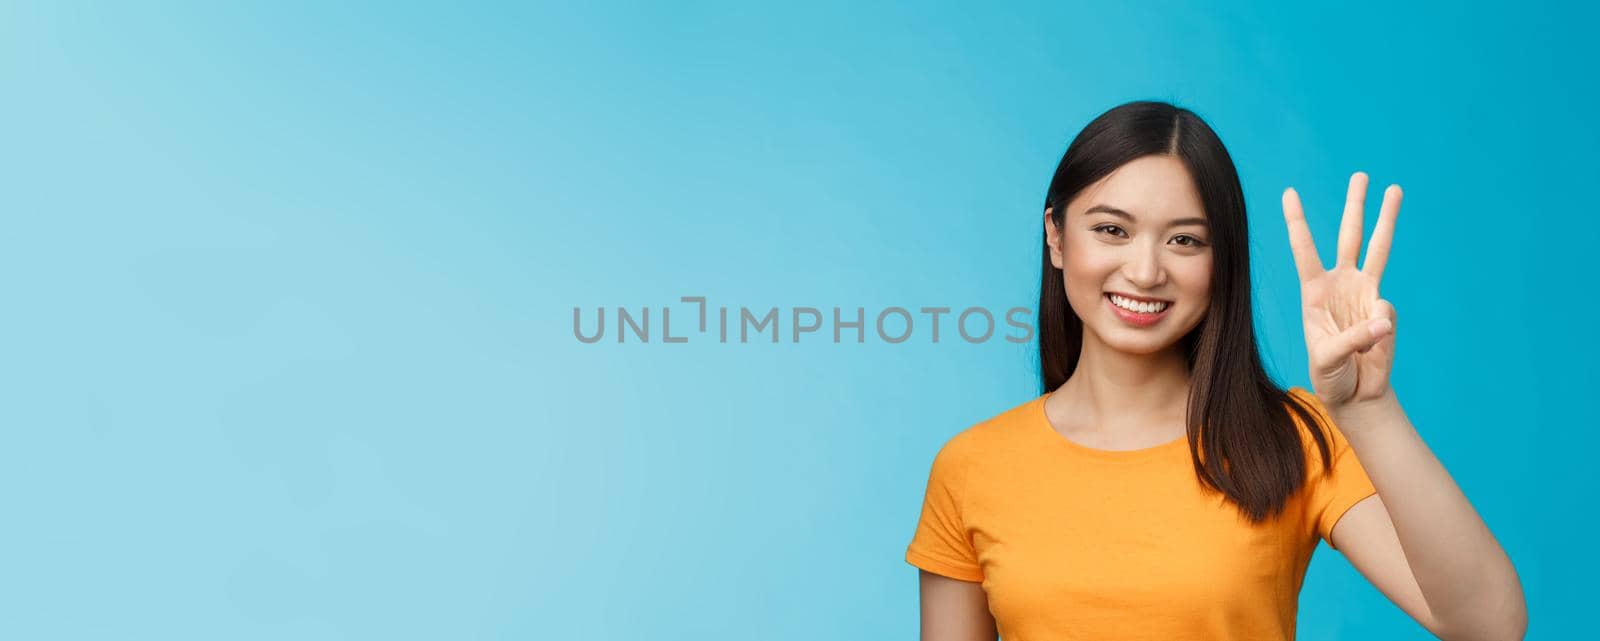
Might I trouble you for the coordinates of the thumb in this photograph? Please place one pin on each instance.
(1386, 310)
(1356, 338)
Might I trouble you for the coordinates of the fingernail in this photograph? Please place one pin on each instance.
(1378, 327)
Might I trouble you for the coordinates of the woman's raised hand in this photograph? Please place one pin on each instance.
(1349, 329)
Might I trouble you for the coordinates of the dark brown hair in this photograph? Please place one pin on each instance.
(1241, 438)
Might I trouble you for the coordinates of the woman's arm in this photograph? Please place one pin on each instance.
(954, 610)
(1447, 553)
(1469, 587)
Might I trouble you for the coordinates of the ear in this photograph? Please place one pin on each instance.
(1052, 237)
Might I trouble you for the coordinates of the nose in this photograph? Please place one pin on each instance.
(1144, 269)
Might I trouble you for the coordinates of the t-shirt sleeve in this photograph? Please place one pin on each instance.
(1335, 493)
(941, 544)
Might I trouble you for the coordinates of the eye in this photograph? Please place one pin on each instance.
(1193, 242)
(1102, 227)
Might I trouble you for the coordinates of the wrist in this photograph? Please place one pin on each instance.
(1356, 415)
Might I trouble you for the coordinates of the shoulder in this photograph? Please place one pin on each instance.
(1305, 396)
(1307, 401)
(1310, 402)
(995, 434)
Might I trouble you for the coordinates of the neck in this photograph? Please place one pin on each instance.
(1125, 393)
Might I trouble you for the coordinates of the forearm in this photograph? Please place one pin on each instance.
(1467, 579)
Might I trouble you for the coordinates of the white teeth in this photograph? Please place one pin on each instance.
(1136, 306)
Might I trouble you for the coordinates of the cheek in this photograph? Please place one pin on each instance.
(1083, 260)
(1084, 276)
(1196, 283)
(1085, 272)
(1198, 278)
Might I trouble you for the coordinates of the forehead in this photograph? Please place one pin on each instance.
(1154, 189)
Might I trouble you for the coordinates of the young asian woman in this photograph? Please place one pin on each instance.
(1163, 486)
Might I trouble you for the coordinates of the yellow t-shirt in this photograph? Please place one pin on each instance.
(1072, 542)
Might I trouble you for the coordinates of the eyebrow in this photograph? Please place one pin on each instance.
(1108, 209)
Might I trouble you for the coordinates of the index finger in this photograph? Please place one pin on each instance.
(1306, 262)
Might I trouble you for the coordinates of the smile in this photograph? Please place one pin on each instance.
(1137, 314)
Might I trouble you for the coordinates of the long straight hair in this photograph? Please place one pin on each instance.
(1241, 439)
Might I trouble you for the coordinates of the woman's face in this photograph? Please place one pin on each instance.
(1159, 247)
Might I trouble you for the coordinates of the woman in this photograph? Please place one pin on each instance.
(1163, 487)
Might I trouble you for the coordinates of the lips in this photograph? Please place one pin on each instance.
(1142, 299)
(1136, 319)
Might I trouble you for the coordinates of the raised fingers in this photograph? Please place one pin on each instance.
(1355, 202)
(1306, 262)
(1383, 234)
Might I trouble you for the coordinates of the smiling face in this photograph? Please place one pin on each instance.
(1141, 232)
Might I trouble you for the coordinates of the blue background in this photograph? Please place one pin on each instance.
(288, 346)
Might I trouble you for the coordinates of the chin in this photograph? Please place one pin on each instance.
(1134, 340)
(1141, 347)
